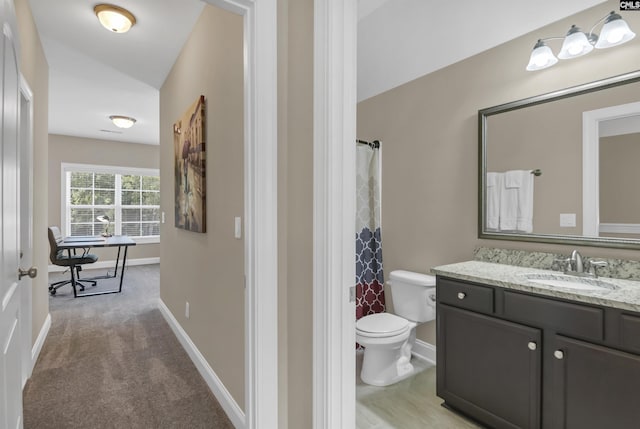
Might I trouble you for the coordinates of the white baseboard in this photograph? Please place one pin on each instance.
(109, 264)
(37, 346)
(424, 350)
(221, 393)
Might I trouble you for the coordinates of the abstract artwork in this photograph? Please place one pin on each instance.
(190, 168)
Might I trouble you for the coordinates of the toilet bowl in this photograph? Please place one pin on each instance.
(388, 338)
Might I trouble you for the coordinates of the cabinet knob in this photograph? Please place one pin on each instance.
(462, 295)
(532, 345)
(558, 354)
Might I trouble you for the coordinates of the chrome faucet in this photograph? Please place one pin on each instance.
(577, 266)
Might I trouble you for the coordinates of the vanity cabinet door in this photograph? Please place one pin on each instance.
(594, 387)
(489, 368)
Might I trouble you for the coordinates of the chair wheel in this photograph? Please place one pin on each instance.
(81, 287)
(51, 288)
(52, 291)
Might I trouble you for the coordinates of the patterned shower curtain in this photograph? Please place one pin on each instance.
(369, 275)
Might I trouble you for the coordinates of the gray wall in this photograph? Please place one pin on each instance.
(429, 132)
(80, 150)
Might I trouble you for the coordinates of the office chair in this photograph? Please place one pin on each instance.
(66, 258)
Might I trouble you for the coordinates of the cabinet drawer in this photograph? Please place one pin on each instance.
(563, 317)
(465, 295)
(630, 332)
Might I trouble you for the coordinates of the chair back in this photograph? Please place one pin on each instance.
(55, 237)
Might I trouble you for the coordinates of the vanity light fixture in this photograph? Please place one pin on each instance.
(576, 43)
(122, 121)
(114, 18)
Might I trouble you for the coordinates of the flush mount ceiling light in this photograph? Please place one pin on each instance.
(114, 18)
(576, 43)
(122, 121)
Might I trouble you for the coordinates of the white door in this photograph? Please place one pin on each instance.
(10, 336)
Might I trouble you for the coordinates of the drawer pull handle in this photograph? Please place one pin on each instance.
(558, 354)
(532, 345)
(462, 295)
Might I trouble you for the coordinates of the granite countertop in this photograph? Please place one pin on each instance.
(626, 296)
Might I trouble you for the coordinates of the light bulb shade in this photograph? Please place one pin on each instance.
(114, 18)
(541, 57)
(103, 218)
(122, 121)
(575, 44)
(614, 32)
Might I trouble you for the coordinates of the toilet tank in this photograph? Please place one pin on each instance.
(413, 295)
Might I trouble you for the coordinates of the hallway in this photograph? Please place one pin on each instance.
(112, 361)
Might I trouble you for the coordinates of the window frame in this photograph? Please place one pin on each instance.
(65, 187)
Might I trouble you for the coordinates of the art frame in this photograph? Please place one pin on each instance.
(189, 143)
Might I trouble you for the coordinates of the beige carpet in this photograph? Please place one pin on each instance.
(112, 361)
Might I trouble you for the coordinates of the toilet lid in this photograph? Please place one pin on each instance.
(382, 323)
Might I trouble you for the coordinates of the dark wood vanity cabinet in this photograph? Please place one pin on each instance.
(511, 359)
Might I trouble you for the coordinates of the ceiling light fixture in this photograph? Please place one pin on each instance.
(114, 18)
(122, 121)
(576, 43)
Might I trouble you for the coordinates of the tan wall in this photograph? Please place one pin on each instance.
(619, 179)
(207, 269)
(80, 150)
(295, 208)
(34, 67)
(429, 132)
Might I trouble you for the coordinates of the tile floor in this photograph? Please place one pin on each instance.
(409, 404)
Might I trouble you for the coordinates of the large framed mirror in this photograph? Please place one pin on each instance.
(563, 167)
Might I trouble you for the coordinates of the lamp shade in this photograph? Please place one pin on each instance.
(575, 44)
(541, 57)
(614, 32)
(114, 18)
(122, 121)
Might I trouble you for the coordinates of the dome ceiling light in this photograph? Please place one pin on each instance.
(122, 121)
(114, 18)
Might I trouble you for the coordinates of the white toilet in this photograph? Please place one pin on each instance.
(388, 338)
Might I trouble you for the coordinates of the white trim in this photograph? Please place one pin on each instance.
(425, 351)
(620, 228)
(334, 120)
(590, 161)
(42, 336)
(229, 405)
(108, 264)
(260, 208)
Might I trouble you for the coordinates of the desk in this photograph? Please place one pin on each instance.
(87, 242)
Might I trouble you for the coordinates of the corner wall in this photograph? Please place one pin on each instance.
(99, 152)
(34, 67)
(428, 128)
(207, 269)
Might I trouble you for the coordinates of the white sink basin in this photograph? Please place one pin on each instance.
(570, 282)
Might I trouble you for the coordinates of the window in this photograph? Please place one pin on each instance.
(129, 197)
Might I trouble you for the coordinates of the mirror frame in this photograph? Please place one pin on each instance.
(484, 114)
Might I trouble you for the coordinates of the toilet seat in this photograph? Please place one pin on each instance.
(382, 325)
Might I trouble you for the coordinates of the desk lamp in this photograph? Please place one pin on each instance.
(105, 220)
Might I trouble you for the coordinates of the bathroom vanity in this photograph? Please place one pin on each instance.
(516, 353)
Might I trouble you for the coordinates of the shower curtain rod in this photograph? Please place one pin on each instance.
(373, 145)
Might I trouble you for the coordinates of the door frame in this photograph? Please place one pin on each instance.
(260, 208)
(334, 134)
(25, 136)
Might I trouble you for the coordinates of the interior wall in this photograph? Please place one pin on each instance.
(80, 150)
(429, 133)
(35, 69)
(295, 206)
(207, 269)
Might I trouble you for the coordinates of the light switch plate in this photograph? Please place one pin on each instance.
(238, 227)
(568, 220)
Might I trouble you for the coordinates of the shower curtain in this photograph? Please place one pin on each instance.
(369, 275)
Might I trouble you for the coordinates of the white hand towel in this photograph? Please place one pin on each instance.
(494, 189)
(525, 202)
(513, 179)
(508, 208)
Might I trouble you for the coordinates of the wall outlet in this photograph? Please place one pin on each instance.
(568, 220)
(186, 310)
(237, 227)
(162, 217)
